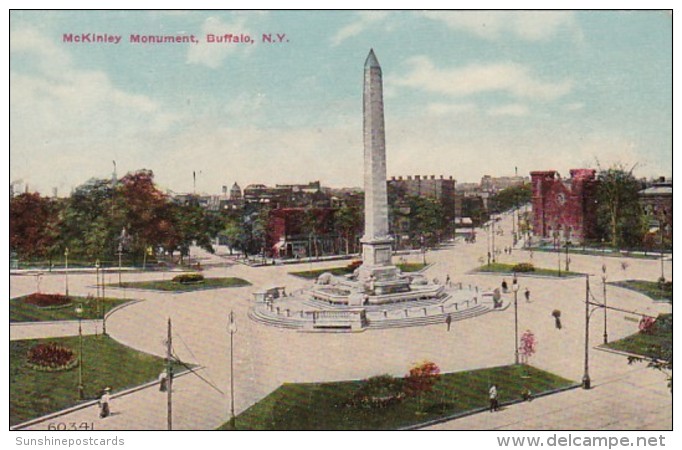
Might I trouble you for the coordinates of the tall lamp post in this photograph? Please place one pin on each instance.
(587, 382)
(120, 254)
(493, 221)
(515, 289)
(232, 328)
(100, 310)
(79, 313)
(66, 270)
(603, 280)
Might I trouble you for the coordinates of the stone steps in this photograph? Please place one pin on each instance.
(295, 322)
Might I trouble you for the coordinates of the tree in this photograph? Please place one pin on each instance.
(427, 221)
(233, 234)
(510, 197)
(33, 225)
(619, 214)
(527, 347)
(348, 222)
(421, 379)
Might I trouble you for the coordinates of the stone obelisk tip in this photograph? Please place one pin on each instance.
(371, 60)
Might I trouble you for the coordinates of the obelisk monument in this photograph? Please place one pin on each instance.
(376, 242)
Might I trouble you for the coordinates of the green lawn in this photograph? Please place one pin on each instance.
(19, 311)
(323, 406)
(508, 268)
(596, 251)
(649, 344)
(650, 288)
(168, 285)
(105, 363)
(340, 271)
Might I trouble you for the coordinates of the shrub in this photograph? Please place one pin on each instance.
(51, 357)
(188, 278)
(421, 378)
(523, 267)
(646, 325)
(378, 392)
(47, 300)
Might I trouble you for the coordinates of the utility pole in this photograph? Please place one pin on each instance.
(169, 376)
(586, 376)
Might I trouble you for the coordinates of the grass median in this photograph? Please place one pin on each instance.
(327, 406)
(21, 311)
(539, 271)
(173, 286)
(106, 363)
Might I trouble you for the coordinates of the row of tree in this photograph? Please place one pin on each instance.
(104, 217)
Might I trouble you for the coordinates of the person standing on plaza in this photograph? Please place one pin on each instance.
(527, 295)
(448, 321)
(492, 393)
(104, 400)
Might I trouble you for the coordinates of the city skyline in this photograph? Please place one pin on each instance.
(467, 93)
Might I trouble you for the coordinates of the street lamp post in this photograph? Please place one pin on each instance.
(493, 222)
(120, 254)
(79, 313)
(66, 270)
(515, 288)
(232, 328)
(587, 382)
(603, 280)
(586, 375)
(100, 310)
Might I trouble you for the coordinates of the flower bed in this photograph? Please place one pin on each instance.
(51, 357)
(188, 278)
(52, 301)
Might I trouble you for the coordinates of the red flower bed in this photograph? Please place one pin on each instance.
(47, 300)
(51, 357)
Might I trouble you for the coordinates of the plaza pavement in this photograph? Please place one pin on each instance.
(623, 396)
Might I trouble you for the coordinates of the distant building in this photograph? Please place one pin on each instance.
(440, 189)
(235, 192)
(492, 185)
(657, 204)
(563, 210)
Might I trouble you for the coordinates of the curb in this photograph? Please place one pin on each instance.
(92, 402)
(621, 352)
(480, 410)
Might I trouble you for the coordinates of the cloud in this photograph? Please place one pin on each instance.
(62, 116)
(576, 106)
(364, 21)
(515, 110)
(213, 54)
(449, 109)
(530, 26)
(511, 78)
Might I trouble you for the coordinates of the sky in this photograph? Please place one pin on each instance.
(466, 93)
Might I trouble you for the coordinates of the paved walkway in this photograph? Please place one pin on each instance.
(624, 397)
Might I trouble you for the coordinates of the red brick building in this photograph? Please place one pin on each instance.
(564, 209)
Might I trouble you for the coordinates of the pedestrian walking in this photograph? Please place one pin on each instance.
(492, 393)
(104, 410)
(163, 381)
(527, 295)
(505, 287)
(448, 321)
(447, 281)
